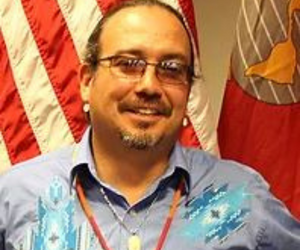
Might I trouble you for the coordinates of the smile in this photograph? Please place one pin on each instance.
(146, 111)
(143, 115)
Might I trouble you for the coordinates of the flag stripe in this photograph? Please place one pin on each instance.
(255, 46)
(278, 16)
(105, 5)
(4, 158)
(244, 61)
(199, 109)
(60, 59)
(35, 89)
(13, 121)
(249, 32)
(81, 18)
(189, 14)
(262, 21)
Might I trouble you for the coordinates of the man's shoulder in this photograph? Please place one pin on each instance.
(230, 204)
(30, 189)
(38, 169)
(215, 168)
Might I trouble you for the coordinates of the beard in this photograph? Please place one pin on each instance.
(139, 141)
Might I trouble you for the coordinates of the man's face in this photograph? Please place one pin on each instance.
(146, 112)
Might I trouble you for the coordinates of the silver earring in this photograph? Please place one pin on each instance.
(185, 121)
(86, 107)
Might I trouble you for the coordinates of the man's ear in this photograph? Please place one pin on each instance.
(85, 77)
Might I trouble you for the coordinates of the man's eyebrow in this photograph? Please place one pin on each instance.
(133, 52)
(163, 57)
(174, 56)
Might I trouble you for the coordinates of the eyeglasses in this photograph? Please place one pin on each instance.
(133, 69)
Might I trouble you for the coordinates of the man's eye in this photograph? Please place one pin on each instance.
(126, 62)
(172, 67)
(127, 66)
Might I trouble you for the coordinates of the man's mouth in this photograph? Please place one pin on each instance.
(146, 111)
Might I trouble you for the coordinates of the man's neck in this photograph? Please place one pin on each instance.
(130, 171)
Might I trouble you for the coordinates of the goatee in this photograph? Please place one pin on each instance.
(141, 141)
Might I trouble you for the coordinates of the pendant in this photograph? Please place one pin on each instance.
(134, 242)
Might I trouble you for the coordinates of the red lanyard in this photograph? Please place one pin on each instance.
(90, 216)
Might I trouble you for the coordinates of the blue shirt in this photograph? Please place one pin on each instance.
(224, 206)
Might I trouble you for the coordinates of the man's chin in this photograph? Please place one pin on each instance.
(139, 140)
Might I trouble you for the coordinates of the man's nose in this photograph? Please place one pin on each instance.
(149, 83)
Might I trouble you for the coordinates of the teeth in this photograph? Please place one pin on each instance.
(147, 111)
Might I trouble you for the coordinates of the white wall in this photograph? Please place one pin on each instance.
(216, 21)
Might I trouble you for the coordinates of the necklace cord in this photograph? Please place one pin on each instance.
(118, 217)
(89, 214)
(171, 215)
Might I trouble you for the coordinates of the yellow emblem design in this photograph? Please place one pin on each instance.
(281, 64)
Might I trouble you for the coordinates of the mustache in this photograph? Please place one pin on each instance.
(160, 107)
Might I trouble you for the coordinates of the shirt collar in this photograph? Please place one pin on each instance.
(83, 157)
(178, 161)
(83, 151)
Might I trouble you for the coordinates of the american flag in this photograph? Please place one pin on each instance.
(41, 47)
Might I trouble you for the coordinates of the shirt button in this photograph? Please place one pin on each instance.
(133, 213)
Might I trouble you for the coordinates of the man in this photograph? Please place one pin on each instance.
(128, 184)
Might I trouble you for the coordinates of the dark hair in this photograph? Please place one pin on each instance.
(92, 49)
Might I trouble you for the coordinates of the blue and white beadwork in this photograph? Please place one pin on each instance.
(55, 228)
(216, 214)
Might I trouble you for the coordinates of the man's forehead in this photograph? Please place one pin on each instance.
(143, 19)
(155, 32)
(134, 14)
